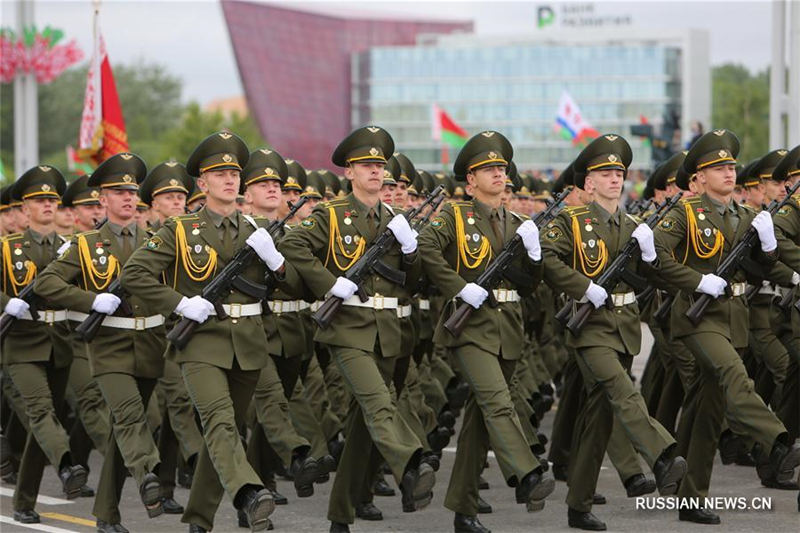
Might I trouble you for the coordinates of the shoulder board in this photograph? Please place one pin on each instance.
(690, 200)
(634, 218)
(87, 233)
(333, 203)
(12, 236)
(389, 208)
(188, 216)
(519, 216)
(748, 208)
(64, 238)
(258, 217)
(577, 211)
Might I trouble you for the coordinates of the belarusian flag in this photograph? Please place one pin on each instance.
(102, 132)
(76, 164)
(445, 130)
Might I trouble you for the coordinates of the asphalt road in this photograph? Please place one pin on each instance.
(739, 484)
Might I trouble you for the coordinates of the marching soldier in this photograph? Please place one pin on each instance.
(364, 338)
(220, 364)
(691, 242)
(456, 247)
(590, 237)
(37, 354)
(126, 354)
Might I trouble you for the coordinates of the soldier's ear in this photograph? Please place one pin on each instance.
(202, 184)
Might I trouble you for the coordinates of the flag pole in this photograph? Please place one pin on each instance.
(26, 106)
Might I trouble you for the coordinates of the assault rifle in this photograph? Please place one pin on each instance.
(371, 262)
(219, 287)
(616, 271)
(739, 253)
(490, 277)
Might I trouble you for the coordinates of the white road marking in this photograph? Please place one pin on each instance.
(44, 500)
(38, 527)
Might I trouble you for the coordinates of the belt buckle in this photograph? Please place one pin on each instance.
(377, 302)
(50, 316)
(139, 323)
(277, 306)
(502, 295)
(619, 300)
(235, 310)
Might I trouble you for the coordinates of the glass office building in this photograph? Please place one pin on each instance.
(513, 85)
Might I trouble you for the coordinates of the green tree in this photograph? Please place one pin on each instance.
(740, 103)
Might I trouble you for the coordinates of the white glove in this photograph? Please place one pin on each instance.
(766, 231)
(406, 236)
(261, 241)
(712, 285)
(16, 307)
(106, 303)
(795, 278)
(596, 294)
(195, 308)
(530, 238)
(473, 294)
(343, 288)
(644, 236)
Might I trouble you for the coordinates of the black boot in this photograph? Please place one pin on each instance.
(783, 460)
(416, 487)
(698, 516)
(150, 492)
(560, 472)
(106, 527)
(669, 473)
(438, 438)
(194, 528)
(586, 520)
(170, 506)
(305, 471)
(483, 507)
(72, 479)
(381, 488)
(368, 511)
(338, 527)
(598, 499)
(482, 484)
(27, 516)
(639, 485)
(279, 498)
(534, 487)
(257, 504)
(468, 524)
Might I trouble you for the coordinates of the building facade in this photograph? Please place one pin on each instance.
(513, 84)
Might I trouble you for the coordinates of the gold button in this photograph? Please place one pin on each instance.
(235, 321)
(619, 311)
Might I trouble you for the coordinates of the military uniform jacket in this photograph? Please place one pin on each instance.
(179, 260)
(456, 248)
(29, 341)
(577, 246)
(691, 241)
(75, 278)
(324, 246)
(286, 335)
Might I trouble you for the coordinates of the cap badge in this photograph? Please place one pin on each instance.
(126, 157)
(291, 180)
(782, 152)
(225, 135)
(95, 194)
(171, 164)
(612, 138)
(45, 187)
(719, 133)
(373, 129)
(723, 153)
(373, 151)
(227, 158)
(487, 134)
(612, 158)
(127, 178)
(173, 182)
(44, 168)
(492, 155)
(309, 189)
(265, 151)
(289, 161)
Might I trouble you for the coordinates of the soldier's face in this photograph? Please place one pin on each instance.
(387, 194)
(365, 177)
(264, 195)
(488, 180)
(754, 195)
(605, 184)
(719, 180)
(400, 194)
(119, 204)
(306, 208)
(9, 221)
(672, 190)
(222, 185)
(65, 218)
(539, 206)
(40, 210)
(86, 216)
(21, 218)
(774, 190)
(169, 204)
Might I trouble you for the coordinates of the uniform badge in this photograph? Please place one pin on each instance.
(701, 216)
(348, 221)
(470, 220)
(18, 251)
(308, 223)
(592, 243)
(348, 239)
(153, 243)
(476, 237)
(588, 227)
(707, 232)
(100, 251)
(553, 234)
(667, 224)
(103, 260)
(18, 265)
(783, 211)
(437, 222)
(195, 231)
(356, 238)
(198, 248)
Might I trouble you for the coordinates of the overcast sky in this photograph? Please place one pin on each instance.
(191, 37)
